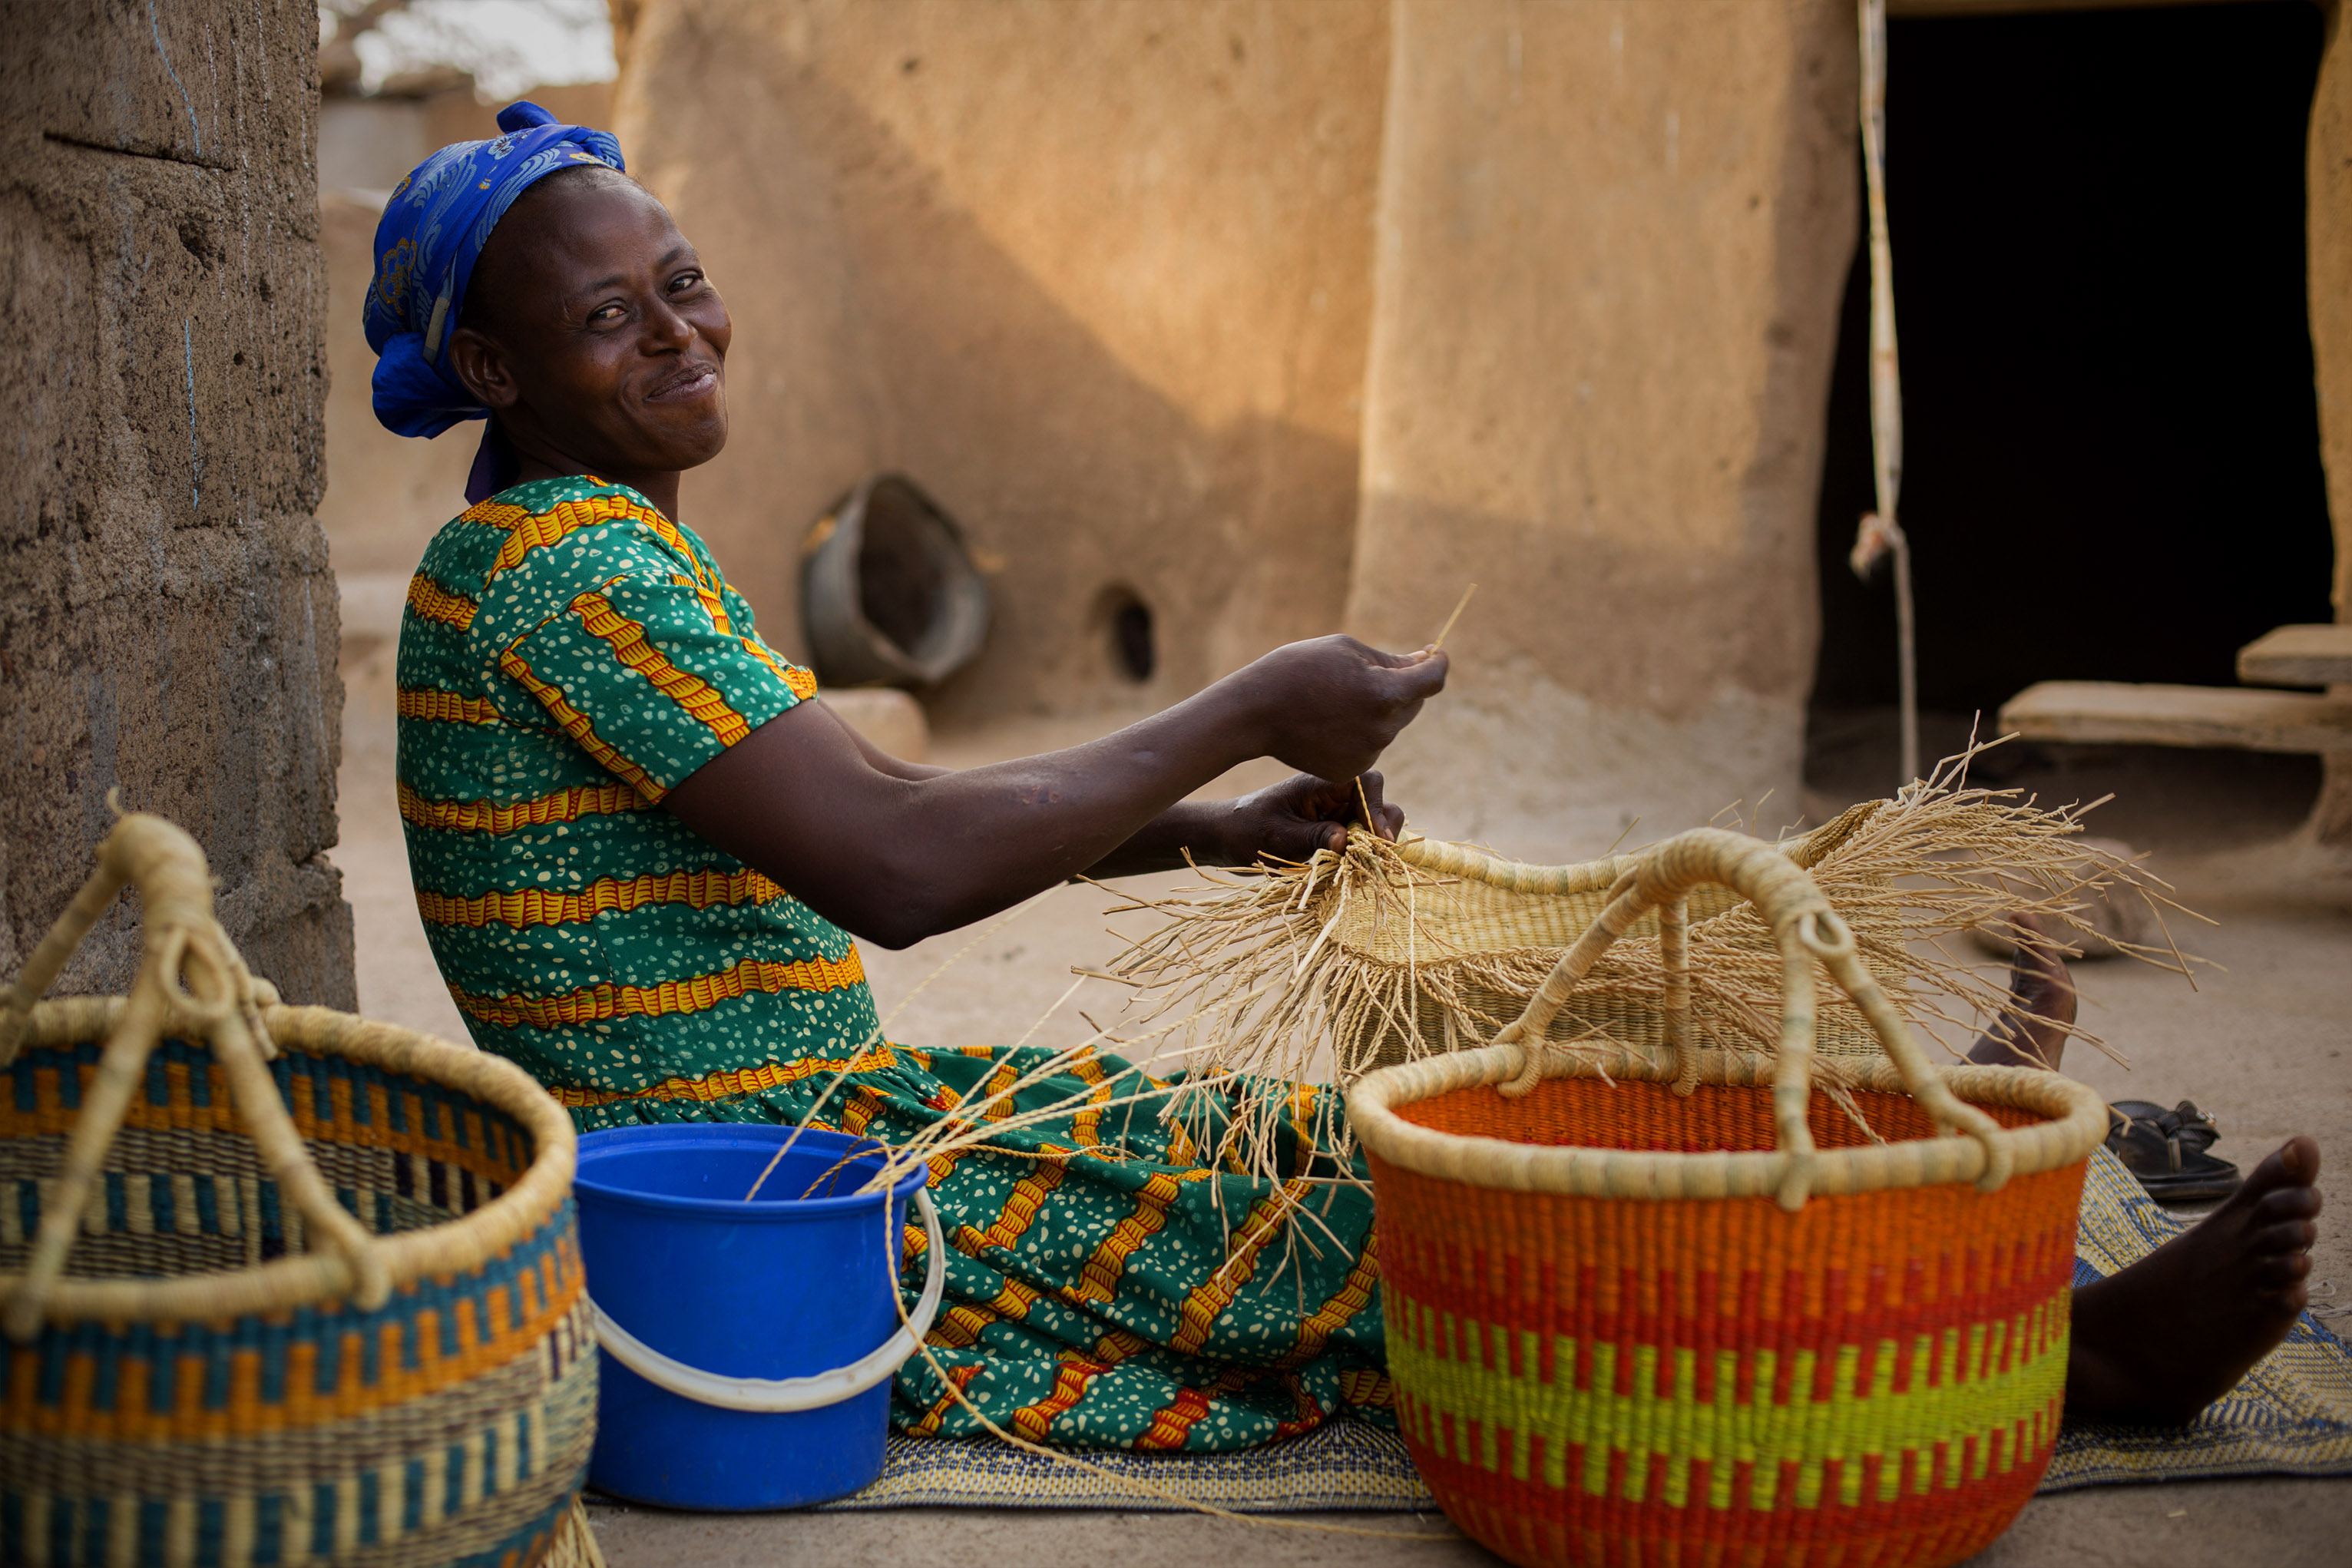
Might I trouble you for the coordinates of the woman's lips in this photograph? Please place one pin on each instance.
(692, 382)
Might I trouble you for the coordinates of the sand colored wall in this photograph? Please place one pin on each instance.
(1612, 243)
(2329, 215)
(2328, 192)
(1097, 276)
(169, 624)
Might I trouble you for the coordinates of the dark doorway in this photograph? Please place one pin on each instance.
(2112, 459)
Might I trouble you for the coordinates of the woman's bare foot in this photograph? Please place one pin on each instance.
(2174, 1332)
(2032, 1032)
(2168, 1336)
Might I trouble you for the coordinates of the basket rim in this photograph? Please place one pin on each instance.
(451, 1248)
(2077, 1124)
(1473, 864)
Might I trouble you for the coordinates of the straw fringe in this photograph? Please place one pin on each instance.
(1389, 952)
(574, 1545)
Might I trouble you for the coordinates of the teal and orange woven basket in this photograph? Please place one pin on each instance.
(1664, 1307)
(327, 1303)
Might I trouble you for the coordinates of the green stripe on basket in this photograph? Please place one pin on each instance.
(1805, 1431)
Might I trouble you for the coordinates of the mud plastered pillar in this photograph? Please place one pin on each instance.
(1610, 249)
(2328, 218)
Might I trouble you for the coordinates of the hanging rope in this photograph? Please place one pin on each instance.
(1880, 534)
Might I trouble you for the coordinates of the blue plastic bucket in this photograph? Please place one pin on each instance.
(743, 1321)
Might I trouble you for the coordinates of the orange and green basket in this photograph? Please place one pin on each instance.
(1665, 1307)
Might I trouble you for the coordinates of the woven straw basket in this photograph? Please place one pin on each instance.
(354, 1333)
(1642, 1308)
(1485, 906)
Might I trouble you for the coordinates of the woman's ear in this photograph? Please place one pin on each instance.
(481, 363)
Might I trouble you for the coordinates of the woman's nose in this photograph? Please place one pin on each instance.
(666, 329)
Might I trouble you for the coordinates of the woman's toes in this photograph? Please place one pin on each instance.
(2279, 1270)
(2295, 1162)
(2294, 1237)
(2280, 1187)
(2280, 1203)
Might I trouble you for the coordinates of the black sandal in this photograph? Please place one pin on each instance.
(2167, 1151)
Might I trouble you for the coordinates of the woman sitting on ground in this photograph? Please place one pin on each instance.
(641, 844)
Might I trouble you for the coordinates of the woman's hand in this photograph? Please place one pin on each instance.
(1331, 706)
(1291, 820)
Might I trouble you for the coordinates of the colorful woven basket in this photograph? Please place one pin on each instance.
(1641, 1311)
(354, 1333)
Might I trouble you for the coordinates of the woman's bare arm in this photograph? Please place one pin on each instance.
(894, 858)
(880, 761)
(1290, 819)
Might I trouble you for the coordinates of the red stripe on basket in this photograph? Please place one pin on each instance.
(1878, 1309)
(1534, 1521)
(2006, 1279)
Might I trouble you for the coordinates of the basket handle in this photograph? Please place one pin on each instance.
(190, 977)
(1807, 849)
(1806, 928)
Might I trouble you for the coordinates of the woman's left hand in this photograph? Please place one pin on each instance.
(1291, 820)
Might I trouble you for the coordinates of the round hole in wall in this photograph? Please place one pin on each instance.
(1127, 621)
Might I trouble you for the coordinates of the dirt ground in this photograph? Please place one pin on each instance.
(2261, 1042)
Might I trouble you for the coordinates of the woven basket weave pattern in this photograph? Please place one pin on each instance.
(1646, 1311)
(325, 1301)
(452, 1424)
(1490, 914)
(1590, 1380)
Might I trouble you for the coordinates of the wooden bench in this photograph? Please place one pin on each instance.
(2238, 718)
(2298, 655)
(2114, 712)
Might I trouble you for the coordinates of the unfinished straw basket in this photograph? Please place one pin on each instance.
(356, 1333)
(1641, 1309)
(1387, 952)
(1474, 907)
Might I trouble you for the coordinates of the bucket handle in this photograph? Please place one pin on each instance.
(771, 1396)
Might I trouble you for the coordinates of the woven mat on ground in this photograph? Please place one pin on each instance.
(1341, 1466)
(2292, 1416)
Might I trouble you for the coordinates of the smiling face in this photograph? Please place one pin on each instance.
(591, 332)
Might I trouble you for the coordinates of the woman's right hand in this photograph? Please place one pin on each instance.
(1331, 706)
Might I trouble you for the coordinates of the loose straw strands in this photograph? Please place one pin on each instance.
(1446, 630)
(980, 1120)
(1377, 954)
(883, 1024)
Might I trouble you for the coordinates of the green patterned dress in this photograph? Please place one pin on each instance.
(569, 655)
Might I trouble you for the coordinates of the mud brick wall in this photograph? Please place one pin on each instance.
(167, 616)
(1291, 318)
(1096, 275)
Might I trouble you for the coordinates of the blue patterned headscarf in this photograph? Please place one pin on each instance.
(432, 233)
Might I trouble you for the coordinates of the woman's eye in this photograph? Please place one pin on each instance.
(607, 313)
(684, 281)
